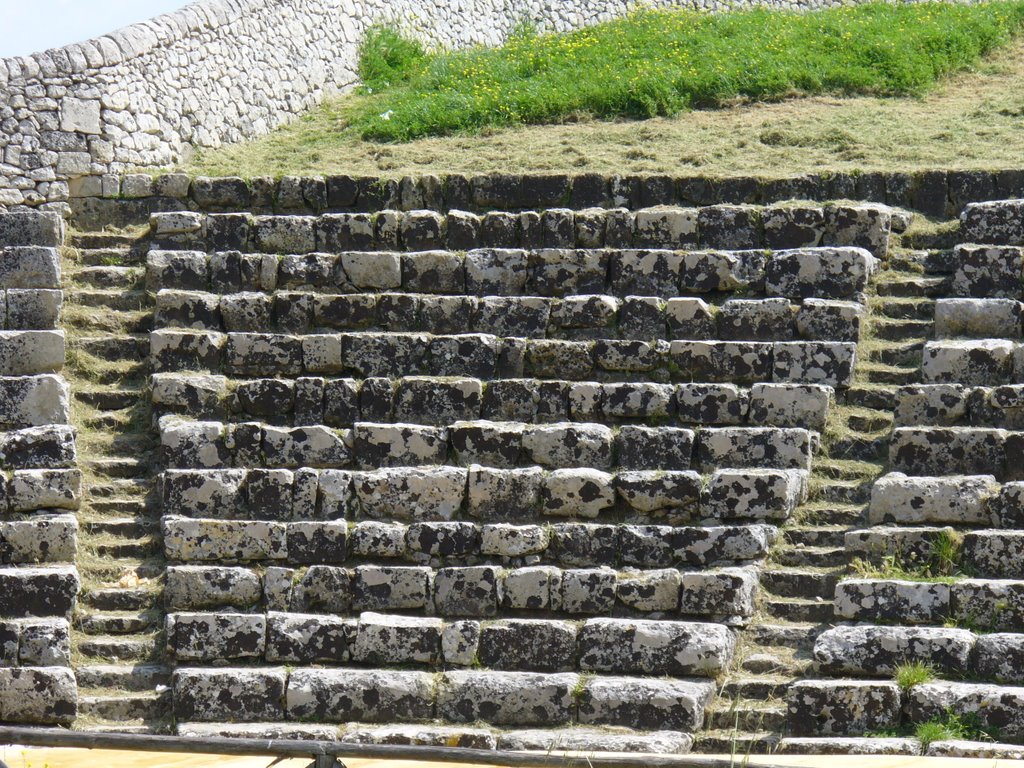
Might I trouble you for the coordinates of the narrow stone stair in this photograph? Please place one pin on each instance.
(117, 641)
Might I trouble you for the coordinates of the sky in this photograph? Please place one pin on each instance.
(28, 26)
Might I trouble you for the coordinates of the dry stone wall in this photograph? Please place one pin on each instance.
(39, 481)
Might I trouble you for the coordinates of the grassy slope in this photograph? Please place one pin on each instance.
(971, 120)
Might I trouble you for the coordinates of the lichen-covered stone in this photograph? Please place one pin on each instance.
(845, 707)
(229, 695)
(506, 698)
(369, 696)
(876, 651)
(645, 703)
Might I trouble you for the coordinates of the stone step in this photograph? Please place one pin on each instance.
(120, 467)
(136, 506)
(903, 309)
(903, 330)
(877, 373)
(113, 569)
(841, 491)
(911, 285)
(112, 348)
(98, 321)
(761, 688)
(874, 421)
(797, 635)
(137, 549)
(845, 469)
(108, 399)
(823, 513)
(118, 488)
(119, 647)
(859, 447)
(125, 677)
(796, 582)
(120, 599)
(123, 301)
(124, 706)
(730, 742)
(107, 276)
(116, 623)
(796, 609)
(816, 536)
(815, 557)
(746, 715)
(128, 527)
(105, 240)
(878, 397)
(899, 355)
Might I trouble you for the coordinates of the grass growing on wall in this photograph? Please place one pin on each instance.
(661, 62)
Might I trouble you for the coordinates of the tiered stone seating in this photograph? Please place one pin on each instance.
(451, 474)
(39, 484)
(949, 514)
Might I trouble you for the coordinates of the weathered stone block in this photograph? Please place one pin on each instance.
(506, 698)
(849, 707)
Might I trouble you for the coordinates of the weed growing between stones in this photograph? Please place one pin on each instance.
(913, 673)
(941, 563)
(661, 62)
(952, 726)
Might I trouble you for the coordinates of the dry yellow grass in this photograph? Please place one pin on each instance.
(972, 121)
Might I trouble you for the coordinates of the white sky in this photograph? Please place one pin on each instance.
(28, 26)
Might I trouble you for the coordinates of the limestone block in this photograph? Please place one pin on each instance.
(408, 493)
(29, 266)
(930, 405)
(41, 591)
(848, 707)
(576, 493)
(727, 593)
(781, 448)
(878, 651)
(948, 451)
(987, 272)
(252, 694)
(649, 590)
(379, 588)
(645, 703)
(829, 320)
(30, 352)
(49, 538)
(659, 491)
(994, 706)
(466, 591)
(815, 362)
(216, 636)
(958, 499)
(654, 647)
(506, 698)
(824, 273)
(201, 587)
(649, 448)
(790, 405)
(700, 403)
(38, 695)
(504, 495)
(528, 644)
(908, 602)
(765, 494)
(978, 318)
(369, 696)
(388, 639)
(199, 540)
(972, 363)
(33, 401)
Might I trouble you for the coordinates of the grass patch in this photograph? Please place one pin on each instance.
(913, 673)
(952, 726)
(661, 62)
(939, 562)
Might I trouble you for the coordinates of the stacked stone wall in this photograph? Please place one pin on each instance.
(39, 481)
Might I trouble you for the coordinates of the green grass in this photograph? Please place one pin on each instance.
(941, 564)
(913, 673)
(662, 62)
(951, 726)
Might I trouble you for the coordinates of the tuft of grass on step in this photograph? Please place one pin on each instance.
(952, 727)
(913, 673)
(661, 62)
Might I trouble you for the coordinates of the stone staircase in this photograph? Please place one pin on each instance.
(118, 626)
(798, 583)
(344, 412)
